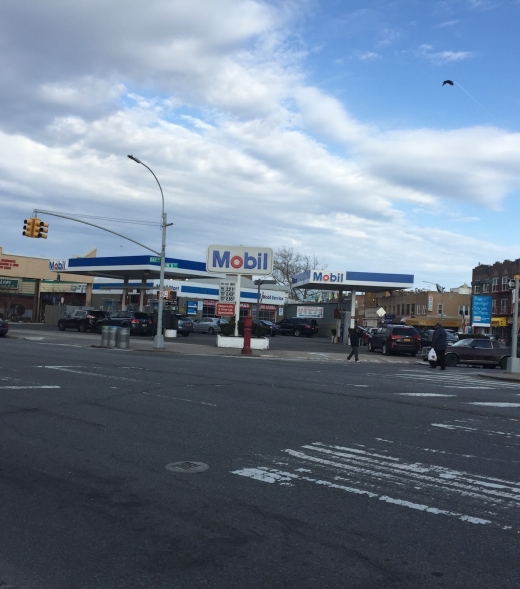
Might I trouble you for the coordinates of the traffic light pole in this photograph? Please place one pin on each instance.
(38, 211)
(513, 363)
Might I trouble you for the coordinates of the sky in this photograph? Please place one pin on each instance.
(317, 125)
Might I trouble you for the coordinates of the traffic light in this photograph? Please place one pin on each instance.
(41, 229)
(29, 229)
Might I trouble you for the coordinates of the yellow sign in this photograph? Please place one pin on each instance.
(499, 321)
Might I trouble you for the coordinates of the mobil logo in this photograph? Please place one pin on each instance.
(239, 260)
(327, 277)
(57, 265)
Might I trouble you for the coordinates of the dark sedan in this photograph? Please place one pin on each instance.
(4, 327)
(478, 351)
(426, 338)
(137, 322)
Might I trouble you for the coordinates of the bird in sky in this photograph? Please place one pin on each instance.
(447, 82)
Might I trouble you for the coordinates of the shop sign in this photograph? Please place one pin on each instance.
(57, 265)
(313, 312)
(7, 264)
(209, 303)
(267, 308)
(225, 310)
(327, 277)
(430, 303)
(9, 283)
(239, 260)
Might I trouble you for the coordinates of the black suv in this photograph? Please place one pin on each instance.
(298, 326)
(82, 320)
(137, 322)
(396, 338)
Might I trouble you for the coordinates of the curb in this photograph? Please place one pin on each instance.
(500, 377)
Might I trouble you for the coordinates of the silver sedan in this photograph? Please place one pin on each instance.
(208, 325)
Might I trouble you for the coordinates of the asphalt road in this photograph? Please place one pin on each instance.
(320, 474)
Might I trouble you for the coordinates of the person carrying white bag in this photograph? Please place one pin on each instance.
(439, 345)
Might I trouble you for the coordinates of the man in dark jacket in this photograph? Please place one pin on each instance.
(355, 338)
(439, 344)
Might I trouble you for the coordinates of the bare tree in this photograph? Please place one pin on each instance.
(7, 297)
(288, 263)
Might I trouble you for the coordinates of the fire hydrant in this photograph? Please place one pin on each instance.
(248, 322)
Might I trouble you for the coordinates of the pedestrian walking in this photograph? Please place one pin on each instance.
(439, 344)
(355, 339)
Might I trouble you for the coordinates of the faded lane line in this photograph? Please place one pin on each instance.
(33, 387)
(65, 369)
(179, 399)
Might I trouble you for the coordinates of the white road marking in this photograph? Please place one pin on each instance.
(424, 395)
(69, 369)
(179, 399)
(451, 380)
(497, 404)
(474, 429)
(486, 500)
(32, 387)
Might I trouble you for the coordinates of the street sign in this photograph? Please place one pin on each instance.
(381, 312)
(227, 291)
(225, 309)
(9, 283)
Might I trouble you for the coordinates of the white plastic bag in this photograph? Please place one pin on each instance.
(432, 356)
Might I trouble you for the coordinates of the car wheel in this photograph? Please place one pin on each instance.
(297, 333)
(385, 350)
(82, 327)
(503, 363)
(61, 326)
(451, 360)
(211, 331)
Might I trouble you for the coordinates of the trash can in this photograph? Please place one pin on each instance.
(105, 335)
(112, 335)
(170, 333)
(123, 338)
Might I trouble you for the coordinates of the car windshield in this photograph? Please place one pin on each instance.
(184, 317)
(141, 316)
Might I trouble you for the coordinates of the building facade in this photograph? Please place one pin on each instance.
(28, 284)
(493, 281)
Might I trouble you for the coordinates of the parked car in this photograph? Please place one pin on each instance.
(273, 328)
(81, 319)
(258, 328)
(4, 327)
(475, 351)
(209, 325)
(138, 322)
(396, 338)
(183, 324)
(298, 326)
(426, 337)
(365, 335)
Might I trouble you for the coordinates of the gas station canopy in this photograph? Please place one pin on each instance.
(352, 281)
(136, 267)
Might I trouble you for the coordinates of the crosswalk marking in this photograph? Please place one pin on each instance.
(456, 381)
(467, 496)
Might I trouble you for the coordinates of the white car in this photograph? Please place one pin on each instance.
(209, 325)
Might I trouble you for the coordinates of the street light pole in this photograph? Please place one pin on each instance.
(440, 289)
(158, 341)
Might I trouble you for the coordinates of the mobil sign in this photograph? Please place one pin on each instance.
(231, 259)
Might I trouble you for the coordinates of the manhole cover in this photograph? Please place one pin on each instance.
(187, 467)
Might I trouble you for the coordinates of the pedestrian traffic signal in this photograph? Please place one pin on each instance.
(29, 228)
(41, 229)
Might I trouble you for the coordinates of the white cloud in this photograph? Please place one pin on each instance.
(215, 99)
(442, 57)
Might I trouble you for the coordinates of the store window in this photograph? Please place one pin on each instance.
(413, 308)
(505, 280)
(495, 285)
(477, 288)
(485, 287)
(464, 310)
(439, 309)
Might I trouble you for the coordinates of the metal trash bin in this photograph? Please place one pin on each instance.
(112, 335)
(123, 338)
(105, 335)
